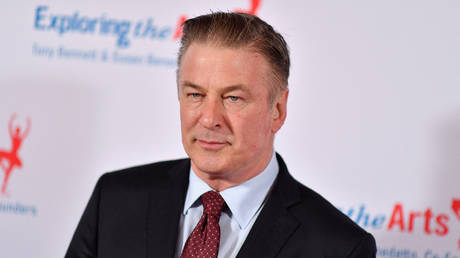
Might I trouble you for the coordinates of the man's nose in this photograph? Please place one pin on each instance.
(211, 114)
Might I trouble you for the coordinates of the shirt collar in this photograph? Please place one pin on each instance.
(243, 200)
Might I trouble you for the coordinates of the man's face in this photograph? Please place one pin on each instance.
(227, 123)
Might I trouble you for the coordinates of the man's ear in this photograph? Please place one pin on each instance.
(279, 111)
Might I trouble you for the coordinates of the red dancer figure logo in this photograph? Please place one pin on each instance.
(11, 157)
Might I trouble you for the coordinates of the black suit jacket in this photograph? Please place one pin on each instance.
(135, 213)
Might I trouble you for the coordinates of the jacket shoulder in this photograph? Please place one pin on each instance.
(317, 206)
(147, 175)
(329, 225)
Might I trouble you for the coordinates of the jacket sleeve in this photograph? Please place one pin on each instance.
(366, 248)
(84, 240)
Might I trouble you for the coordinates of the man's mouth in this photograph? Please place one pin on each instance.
(211, 145)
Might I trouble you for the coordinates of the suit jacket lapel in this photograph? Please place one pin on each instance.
(166, 204)
(275, 224)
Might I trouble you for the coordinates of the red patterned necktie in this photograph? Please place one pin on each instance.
(204, 240)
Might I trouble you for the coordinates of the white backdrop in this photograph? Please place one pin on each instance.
(373, 115)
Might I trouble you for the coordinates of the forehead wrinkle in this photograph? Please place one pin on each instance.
(217, 77)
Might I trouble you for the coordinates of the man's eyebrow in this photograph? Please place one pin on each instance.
(191, 85)
(224, 89)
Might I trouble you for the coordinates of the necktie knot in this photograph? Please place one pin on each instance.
(213, 203)
(204, 240)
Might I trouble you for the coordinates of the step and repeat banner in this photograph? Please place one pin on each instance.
(373, 116)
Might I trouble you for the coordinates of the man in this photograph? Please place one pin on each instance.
(234, 197)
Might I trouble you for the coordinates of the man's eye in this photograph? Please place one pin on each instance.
(194, 95)
(233, 98)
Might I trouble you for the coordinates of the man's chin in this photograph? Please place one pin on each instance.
(208, 165)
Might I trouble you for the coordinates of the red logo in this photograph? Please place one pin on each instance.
(456, 209)
(433, 223)
(255, 4)
(9, 159)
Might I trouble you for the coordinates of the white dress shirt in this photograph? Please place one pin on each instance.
(244, 202)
